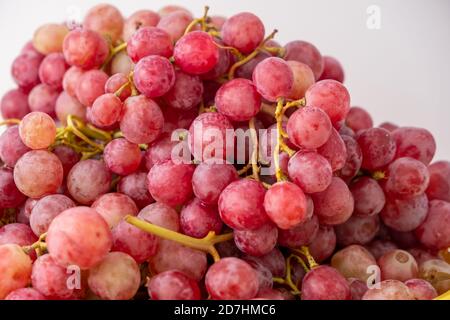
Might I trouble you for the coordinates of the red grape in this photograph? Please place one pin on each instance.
(67, 105)
(135, 186)
(416, 143)
(159, 151)
(377, 147)
(405, 214)
(122, 157)
(421, 289)
(334, 150)
(433, 232)
(175, 23)
(257, 242)
(222, 66)
(407, 177)
(389, 126)
(323, 244)
(354, 158)
(389, 290)
(43, 99)
(306, 53)
(18, 233)
(91, 86)
(380, 247)
(14, 105)
(161, 215)
(148, 41)
(354, 261)
(244, 31)
(115, 83)
(173, 285)
(121, 63)
(139, 19)
(67, 156)
(332, 69)
(198, 219)
(15, 268)
(11, 146)
(24, 212)
(246, 71)
(439, 187)
(358, 119)
(25, 70)
(186, 93)
(303, 79)
(52, 70)
(71, 79)
(113, 207)
(106, 110)
(357, 230)
(398, 265)
(369, 197)
(274, 261)
(106, 20)
(325, 283)
(154, 76)
(300, 235)
(49, 38)
(169, 9)
(358, 288)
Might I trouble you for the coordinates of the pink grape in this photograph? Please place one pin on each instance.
(46, 209)
(52, 70)
(223, 64)
(121, 63)
(113, 207)
(358, 119)
(173, 285)
(15, 267)
(241, 205)
(303, 79)
(244, 31)
(25, 70)
(407, 177)
(354, 261)
(274, 261)
(306, 53)
(330, 96)
(175, 23)
(171, 183)
(24, 212)
(439, 186)
(257, 242)
(323, 244)
(29, 48)
(11, 146)
(154, 76)
(161, 215)
(169, 9)
(67, 105)
(231, 279)
(135, 186)
(148, 41)
(416, 143)
(139, 19)
(106, 20)
(43, 99)
(49, 38)
(421, 289)
(264, 275)
(115, 83)
(142, 120)
(346, 131)
(246, 71)
(37, 130)
(334, 150)
(91, 86)
(38, 173)
(198, 219)
(273, 79)
(325, 283)
(357, 230)
(286, 205)
(116, 277)
(196, 53)
(106, 110)
(334, 205)
(71, 79)
(186, 92)
(25, 294)
(67, 156)
(14, 105)
(332, 69)
(354, 158)
(87, 180)
(433, 232)
(18, 233)
(369, 197)
(300, 235)
(389, 126)
(380, 247)
(398, 265)
(117, 162)
(78, 236)
(85, 49)
(377, 147)
(405, 214)
(389, 290)
(159, 151)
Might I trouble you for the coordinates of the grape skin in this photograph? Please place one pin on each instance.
(148, 41)
(303, 79)
(117, 162)
(354, 158)
(14, 105)
(37, 130)
(306, 53)
(407, 177)
(15, 268)
(354, 261)
(398, 265)
(135, 186)
(274, 261)
(139, 19)
(439, 186)
(71, 79)
(91, 86)
(67, 156)
(18, 233)
(378, 148)
(300, 235)
(159, 151)
(10, 195)
(161, 215)
(380, 247)
(25, 70)
(369, 197)
(416, 143)
(334, 150)
(332, 69)
(244, 31)
(389, 290)
(175, 23)
(106, 20)
(173, 285)
(52, 70)
(115, 83)
(358, 119)
(357, 230)
(113, 207)
(433, 232)
(49, 38)
(67, 105)
(106, 110)
(186, 92)
(323, 244)
(421, 289)
(257, 242)
(198, 219)
(325, 283)
(43, 99)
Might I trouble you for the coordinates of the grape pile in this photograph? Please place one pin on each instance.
(168, 157)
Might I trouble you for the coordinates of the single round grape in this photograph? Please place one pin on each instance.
(332, 69)
(46, 209)
(169, 9)
(380, 247)
(405, 214)
(52, 70)
(159, 151)
(306, 53)
(79, 236)
(148, 41)
(43, 99)
(231, 279)
(334, 150)
(274, 261)
(389, 290)
(398, 265)
(332, 97)
(323, 244)
(285, 204)
(87, 180)
(38, 173)
(173, 285)
(113, 207)
(37, 130)
(243, 31)
(115, 83)
(354, 158)
(357, 230)
(273, 79)
(439, 186)
(407, 177)
(24, 212)
(171, 183)
(358, 119)
(223, 65)
(196, 53)
(186, 93)
(377, 147)
(198, 219)
(106, 20)
(300, 235)
(20, 234)
(67, 105)
(85, 49)
(121, 63)
(15, 268)
(334, 205)
(116, 277)
(14, 105)
(142, 120)
(325, 283)
(303, 79)
(25, 70)
(210, 179)
(25, 294)
(49, 38)
(91, 86)
(122, 157)
(241, 205)
(106, 110)
(246, 70)
(11, 146)
(433, 232)
(71, 79)
(135, 186)
(309, 128)
(257, 242)
(416, 143)
(209, 137)
(174, 256)
(175, 23)
(139, 19)
(369, 197)
(358, 288)
(354, 261)
(421, 289)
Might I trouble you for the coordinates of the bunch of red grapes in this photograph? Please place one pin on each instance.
(97, 204)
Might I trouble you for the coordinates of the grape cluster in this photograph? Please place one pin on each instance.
(169, 157)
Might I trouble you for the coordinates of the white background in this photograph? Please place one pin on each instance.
(399, 73)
